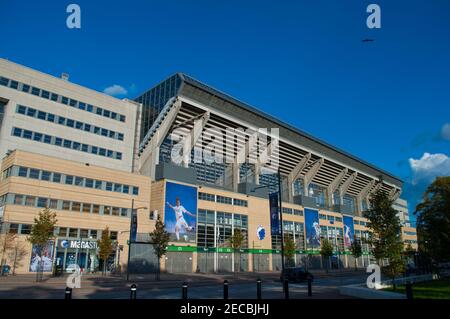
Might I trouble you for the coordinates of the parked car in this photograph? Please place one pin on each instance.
(297, 274)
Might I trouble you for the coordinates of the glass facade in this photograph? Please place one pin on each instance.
(154, 100)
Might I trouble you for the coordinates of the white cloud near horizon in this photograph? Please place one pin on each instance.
(429, 167)
(115, 90)
(445, 131)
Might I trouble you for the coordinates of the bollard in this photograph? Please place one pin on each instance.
(68, 293)
(286, 289)
(133, 291)
(258, 288)
(309, 287)
(409, 291)
(184, 288)
(225, 289)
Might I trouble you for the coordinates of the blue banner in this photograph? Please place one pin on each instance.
(180, 212)
(349, 231)
(312, 228)
(274, 214)
(133, 225)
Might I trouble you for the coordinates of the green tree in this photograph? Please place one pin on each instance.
(236, 242)
(385, 237)
(41, 233)
(160, 240)
(105, 248)
(356, 251)
(326, 250)
(7, 241)
(433, 221)
(289, 250)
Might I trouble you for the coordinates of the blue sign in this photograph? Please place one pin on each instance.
(261, 232)
(312, 228)
(349, 231)
(133, 225)
(274, 214)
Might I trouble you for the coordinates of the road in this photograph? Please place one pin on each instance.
(199, 288)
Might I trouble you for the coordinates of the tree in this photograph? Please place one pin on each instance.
(41, 233)
(289, 250)
(6, 244)
(326, 250)
(236, 242)
(160, 239)
(16, 254)
(433, 221)
(385, 237)
(105, 248)
(356, 251)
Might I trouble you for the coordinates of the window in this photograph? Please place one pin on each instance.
(298, 212)
(67, 144)
(18, 199)
(106, 113)
(23, 171)
(94, 150)
(86, 208)
(87, 127)
(17, 132)
(56, 178)
(115, 211)
(61, 120)
(13, 228)
(118, 188)
(69, 179)
(53, 204)
(223, 199)
(135, 190)
(125, 189)
(42, 202)
(119, 156)
(62, 231)
(76, 146)
(79, 181)
(58, 141)
(89, 183)
(45, 94)
(34, 173)
(47, 139)
(14, 84)
(102, 152)
(98, 184)
(72, 102)
(76, 206)
(120, 136)
(109, 186)
(79, 125)
(93, 233)
(124, 212)
(240, 202)
(50, 117)
(41, 115)
(31, 112)
(30, 201)
(207, 196)
(25, 229)
(21, 109)
(95, 209)
(73, 232)
(27, 134)
(37, 137)
(25, 88)
(66, 205)
(107, 210)
(84, 147)
(35, 91)
(322, 216)
(54, 97)
(113, 235)
(84, 233)
(81, 106)
(122, 118)
(4, 81)
(70, 123)
(64, 100)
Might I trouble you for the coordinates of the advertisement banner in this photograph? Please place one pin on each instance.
(133, 228)
(180, 214)
(43, 257)
(349, 231)
(274, 214)
(312, 228)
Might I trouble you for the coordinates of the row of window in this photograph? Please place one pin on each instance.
(58, 141)
(410, 233)
(292, 211)
(61, 99)
(59, 204)
(222, 199)
(55, 177)
(25, 229)
(50, 117)
(359, 222)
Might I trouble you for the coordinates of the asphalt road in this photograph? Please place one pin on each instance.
(323, 288)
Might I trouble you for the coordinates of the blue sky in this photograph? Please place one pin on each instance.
(387, 101)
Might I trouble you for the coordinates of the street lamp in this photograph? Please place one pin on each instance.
(281, 216)
(129, 240)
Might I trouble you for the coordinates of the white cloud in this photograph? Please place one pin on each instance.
(445, 131)
(430, 166)
(115, 90)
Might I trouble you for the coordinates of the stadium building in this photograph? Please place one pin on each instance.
(202, 161)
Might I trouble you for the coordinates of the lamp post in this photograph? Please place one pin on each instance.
(281, 217)
(129, 240)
